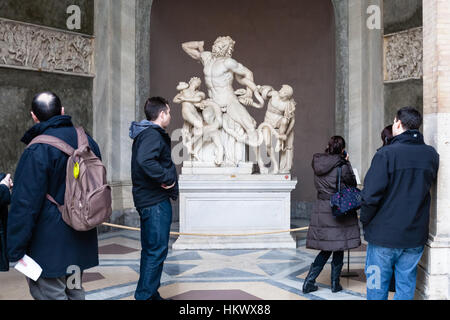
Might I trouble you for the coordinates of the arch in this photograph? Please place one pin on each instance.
(336, 12)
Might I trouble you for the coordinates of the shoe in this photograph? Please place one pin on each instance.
(335, 275)
(310, 281)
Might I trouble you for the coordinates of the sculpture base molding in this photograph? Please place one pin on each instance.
(284, 241)
(235, 204)
(200, 168)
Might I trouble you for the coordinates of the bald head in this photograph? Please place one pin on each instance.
(46, 105)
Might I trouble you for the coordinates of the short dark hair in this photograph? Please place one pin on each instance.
(386, 134)
(46, 105)
(154, 106)
(336, 145)
(411, 118)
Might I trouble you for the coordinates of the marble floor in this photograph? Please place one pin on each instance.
(273, 274)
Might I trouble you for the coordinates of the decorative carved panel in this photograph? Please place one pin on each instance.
(403, 55)
(31, 47)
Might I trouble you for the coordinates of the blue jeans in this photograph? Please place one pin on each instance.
(155, 229)
(381, 262)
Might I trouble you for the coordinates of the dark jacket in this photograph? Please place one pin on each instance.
(151, 165)
(325, 231)
(4, 202)
(35, 226)
(396, 197)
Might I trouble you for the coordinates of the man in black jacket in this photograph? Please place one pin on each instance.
(155, 182)
(35, 225)
(396, 206)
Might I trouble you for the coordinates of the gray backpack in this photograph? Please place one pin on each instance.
(87, 200)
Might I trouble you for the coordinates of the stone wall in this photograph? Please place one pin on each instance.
(403, 56)
(18, 85)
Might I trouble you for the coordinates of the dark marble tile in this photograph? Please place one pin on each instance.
(361, 276)
(92, 276)
(115, 249)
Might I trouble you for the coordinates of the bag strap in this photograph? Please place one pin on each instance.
(52, 200)
(338, 185)
(82, 138)
(54, 142)
(58, 144)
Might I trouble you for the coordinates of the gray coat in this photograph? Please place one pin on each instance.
(325, 231)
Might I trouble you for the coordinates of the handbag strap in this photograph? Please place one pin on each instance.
(338, 182)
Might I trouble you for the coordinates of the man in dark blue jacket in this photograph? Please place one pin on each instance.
(155, 182)
(396, 206)
(35, 225)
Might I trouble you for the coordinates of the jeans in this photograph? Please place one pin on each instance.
(382, 262)
(155, 229)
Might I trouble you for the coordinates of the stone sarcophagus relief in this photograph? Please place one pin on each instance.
(218, 127)
(31, 47)
(403, 55)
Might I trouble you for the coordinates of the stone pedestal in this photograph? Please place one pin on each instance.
(235, 204)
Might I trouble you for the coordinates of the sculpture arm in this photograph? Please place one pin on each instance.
(243, 75)
(180, 99)
(291, 126)
(194, 49)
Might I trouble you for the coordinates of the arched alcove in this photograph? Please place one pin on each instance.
(281, 41)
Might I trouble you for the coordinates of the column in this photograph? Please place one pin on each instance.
(365, 86)
(114, 98)
(433, 280)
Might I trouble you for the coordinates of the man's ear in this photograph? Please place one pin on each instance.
(35, 119)
(62, 111)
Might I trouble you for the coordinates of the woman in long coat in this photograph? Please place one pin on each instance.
(5, 186)
(326, 233)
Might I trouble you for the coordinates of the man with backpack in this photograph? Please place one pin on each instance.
(155, 182)
(40, 223)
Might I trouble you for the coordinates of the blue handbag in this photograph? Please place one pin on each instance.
(345, 201)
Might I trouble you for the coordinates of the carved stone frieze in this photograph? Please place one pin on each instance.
(403, 54)
(32, 47)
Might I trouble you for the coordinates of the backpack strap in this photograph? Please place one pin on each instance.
(82, 138)
(58, 144)
(52, 200)
(54, 142)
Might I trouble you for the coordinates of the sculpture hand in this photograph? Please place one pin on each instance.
(240, 92)
(246, 101)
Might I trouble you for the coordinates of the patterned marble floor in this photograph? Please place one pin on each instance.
(275, 274)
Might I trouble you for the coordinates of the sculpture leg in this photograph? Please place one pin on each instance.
(197, 143)
(260, 157)
(273, 158)
(287, 156)
(219, 149)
